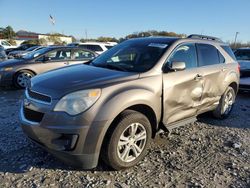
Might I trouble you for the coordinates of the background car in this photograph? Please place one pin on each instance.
(2, 54)
(243, 57)
(20, 53)
(21, 47)
(6, 45)
(98, 47)
(18, 72)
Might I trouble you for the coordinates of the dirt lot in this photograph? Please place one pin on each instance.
(208, 153)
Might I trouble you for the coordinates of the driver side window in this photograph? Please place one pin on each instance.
(185, 53)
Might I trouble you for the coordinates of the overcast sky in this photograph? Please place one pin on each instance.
(117, 18)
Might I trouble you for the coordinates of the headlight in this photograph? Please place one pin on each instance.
(6, 69)
(77, 102)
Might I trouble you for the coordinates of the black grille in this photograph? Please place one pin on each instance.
(32, 115)
(39, 96)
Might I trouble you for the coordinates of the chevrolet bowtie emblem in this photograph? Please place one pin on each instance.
(26, 102)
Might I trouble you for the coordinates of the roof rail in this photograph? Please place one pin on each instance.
(194, 36)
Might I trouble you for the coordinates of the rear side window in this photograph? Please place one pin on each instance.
(229, 51)
(207, 55)
(95, 48)
(108, 47)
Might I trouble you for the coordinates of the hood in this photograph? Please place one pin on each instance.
(11, 62)
(62, 81)
(244, 65)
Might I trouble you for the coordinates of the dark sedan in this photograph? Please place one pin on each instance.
(18, 72)
(20, 53)
(243, 57)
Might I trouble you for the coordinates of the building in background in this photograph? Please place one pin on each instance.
(49, 39)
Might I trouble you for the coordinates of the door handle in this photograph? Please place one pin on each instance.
(198, 77)
(66, 63)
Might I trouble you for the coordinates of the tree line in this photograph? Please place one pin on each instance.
(9, 34)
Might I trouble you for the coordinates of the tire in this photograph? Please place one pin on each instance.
(21, 78)
(122, 133)
(226, 104)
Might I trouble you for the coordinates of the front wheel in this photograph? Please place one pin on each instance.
(22, 78)
(226, 104)
(128, 141)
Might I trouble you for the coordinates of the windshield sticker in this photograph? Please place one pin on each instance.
(158, 45)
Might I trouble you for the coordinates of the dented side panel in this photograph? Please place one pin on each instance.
(182, 95)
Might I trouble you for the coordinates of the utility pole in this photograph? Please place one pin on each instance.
(86, 34)
(235, 39)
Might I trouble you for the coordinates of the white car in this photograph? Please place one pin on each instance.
(6, 45)
(97, 47)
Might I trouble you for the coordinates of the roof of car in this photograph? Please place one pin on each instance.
(155, 39)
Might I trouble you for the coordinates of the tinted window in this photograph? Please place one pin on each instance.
(95, 48)
(221, 57)
(185, 53)
(242, 54)
(229, 51)
(59, 55)
(108, 47)
(82, 54)
(207, 55)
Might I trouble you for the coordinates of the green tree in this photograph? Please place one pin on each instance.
(7, 33)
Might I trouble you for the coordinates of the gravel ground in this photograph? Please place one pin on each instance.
(208, 153)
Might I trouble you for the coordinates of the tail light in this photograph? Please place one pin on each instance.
(238, 67)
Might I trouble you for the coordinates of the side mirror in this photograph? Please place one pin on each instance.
(178, 66)
(45, 59)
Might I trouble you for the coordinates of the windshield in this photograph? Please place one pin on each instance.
(243, 55)
(131, 56)
(37, 53)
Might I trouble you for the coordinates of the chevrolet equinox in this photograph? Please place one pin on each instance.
(111, 107)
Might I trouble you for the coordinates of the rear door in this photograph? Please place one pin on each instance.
(214, 70)
(182, 90)
(53, 60)
(80, 56)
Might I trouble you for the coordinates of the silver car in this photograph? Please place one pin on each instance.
(18, 72)
(112, 107)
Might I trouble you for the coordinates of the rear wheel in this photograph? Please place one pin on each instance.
(127, 141)
(22, 78)
(226, 104)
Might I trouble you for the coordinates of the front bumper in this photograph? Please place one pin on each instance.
(74, 140)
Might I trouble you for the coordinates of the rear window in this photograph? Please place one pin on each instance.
(242, 54)
(207, 55)
(108, 47)
(229, 51)
(95, 48)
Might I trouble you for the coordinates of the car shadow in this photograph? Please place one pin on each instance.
(32, 157)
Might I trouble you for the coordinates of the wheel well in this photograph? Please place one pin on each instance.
(234, 86)
(149, 113)
(14, 76)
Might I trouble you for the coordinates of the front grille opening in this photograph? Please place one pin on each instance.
(32, 115)
(39, 96)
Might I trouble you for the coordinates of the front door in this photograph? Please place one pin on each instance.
(53, 60)
(182, 90)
